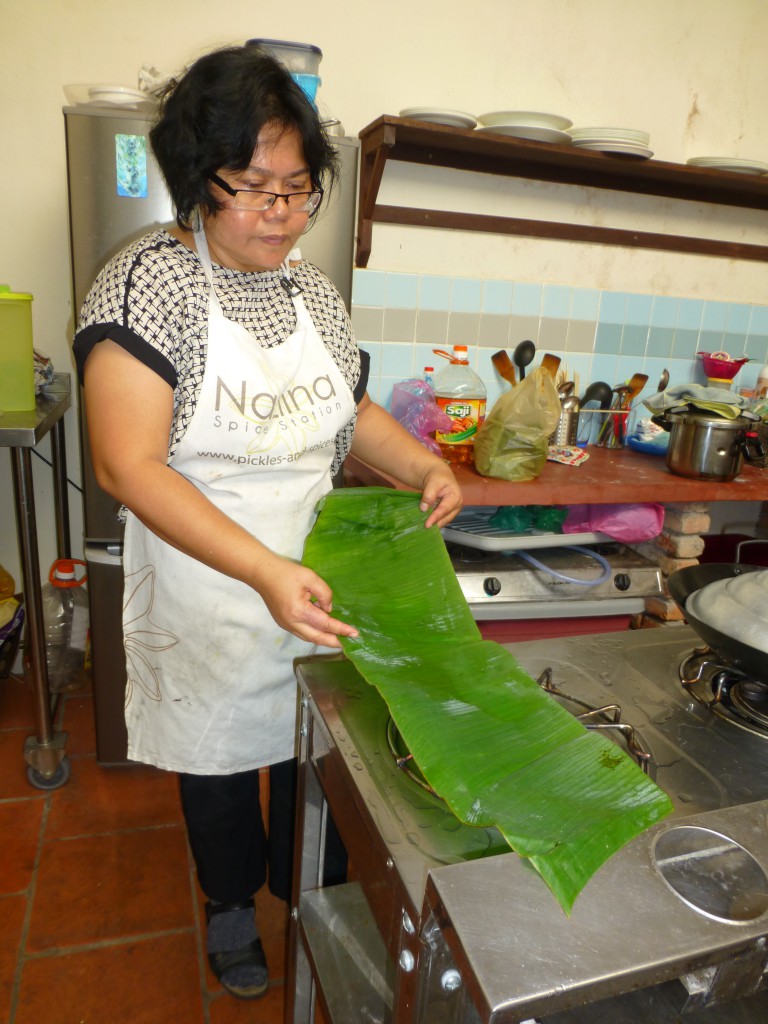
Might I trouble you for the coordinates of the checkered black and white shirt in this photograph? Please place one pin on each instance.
(152, 299)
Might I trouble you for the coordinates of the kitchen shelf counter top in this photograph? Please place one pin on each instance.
(607, 477)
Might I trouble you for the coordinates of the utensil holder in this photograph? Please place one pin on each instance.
(594, 427)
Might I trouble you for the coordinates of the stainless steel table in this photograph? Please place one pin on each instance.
(47, 763)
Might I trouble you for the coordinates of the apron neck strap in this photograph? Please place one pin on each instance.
(201, 244)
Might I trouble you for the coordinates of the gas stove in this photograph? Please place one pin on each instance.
(602, 572)
(471, 934)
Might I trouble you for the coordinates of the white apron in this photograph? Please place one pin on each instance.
(211, 688)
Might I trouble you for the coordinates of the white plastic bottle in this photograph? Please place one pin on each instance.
(66, 619)
(461, 394)
(761, 388)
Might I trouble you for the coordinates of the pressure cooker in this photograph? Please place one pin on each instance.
(709, 447)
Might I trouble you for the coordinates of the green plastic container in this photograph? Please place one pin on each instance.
(17, 354)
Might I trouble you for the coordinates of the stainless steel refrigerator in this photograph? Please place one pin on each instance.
(116, 194)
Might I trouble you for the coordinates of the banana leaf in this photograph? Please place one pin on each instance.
(496, 747)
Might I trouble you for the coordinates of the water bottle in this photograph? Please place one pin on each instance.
(429, 376)
(461, 394)
(65, 615)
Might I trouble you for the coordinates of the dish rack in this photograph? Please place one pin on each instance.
(472, 527)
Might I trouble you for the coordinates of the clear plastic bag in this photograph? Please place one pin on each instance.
(513, 442)
(414, 407)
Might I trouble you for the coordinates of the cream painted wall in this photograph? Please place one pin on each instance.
(691, 72)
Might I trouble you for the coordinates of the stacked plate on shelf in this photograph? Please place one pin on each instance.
(439, 115)
(626, 141)
(725, 163)
(527, 124)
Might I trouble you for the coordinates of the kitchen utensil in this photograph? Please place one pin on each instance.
(565, 389)
(663, 380)
(600, 392)
(636, 383)
(565, 432)
(504, 366)
(523, 356)
(685, 582)
(709, 447)
(613, 428)
(551, 364)
(720, 366)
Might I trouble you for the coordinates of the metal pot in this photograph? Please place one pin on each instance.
(708, 447)
(684, 582)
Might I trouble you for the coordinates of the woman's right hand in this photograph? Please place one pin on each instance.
(301, 602)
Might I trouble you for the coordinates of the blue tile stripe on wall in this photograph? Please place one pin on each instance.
(400, 318)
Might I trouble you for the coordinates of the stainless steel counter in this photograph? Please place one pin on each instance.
(464, 931)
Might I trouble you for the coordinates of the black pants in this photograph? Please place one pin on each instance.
(234, 854)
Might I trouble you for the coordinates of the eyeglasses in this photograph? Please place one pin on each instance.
(252, 199)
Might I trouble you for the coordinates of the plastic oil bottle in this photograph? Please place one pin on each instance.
(461, 394)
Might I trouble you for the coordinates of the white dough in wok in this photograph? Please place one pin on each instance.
(737, 607)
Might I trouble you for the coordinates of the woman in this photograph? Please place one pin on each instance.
(223, 388)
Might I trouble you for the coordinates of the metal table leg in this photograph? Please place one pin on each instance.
(44, 752)
(61, 503)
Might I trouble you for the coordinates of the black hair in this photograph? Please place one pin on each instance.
(211, 118)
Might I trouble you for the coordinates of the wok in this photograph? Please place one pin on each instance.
(684, 582)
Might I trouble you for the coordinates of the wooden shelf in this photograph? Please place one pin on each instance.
(396, 138)
(607, 477)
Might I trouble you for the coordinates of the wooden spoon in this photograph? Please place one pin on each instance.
(504, 366)
(551, 364)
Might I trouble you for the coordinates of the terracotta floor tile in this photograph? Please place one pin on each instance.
(20, 832)
(16, 703)
(155, 981)
(12, 911)
(98, 799)
(75, 717)
(272, 919)
(266, 1010)
(13, 767)
(110, 887)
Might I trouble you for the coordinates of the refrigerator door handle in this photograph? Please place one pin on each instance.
(104, 554)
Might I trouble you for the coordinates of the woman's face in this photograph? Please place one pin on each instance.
(254, 240)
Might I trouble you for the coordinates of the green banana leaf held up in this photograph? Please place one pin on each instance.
(499, 750)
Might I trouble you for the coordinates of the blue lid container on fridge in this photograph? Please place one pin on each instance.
(301, 59)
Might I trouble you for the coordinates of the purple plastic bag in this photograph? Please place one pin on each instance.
(414, 406)
(629, 524)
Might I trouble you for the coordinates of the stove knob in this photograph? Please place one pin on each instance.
(491, 586)
(622, 581)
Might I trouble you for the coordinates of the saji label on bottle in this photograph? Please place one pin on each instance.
(467, 415)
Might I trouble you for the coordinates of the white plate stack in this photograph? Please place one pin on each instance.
(527, 124)
(626, 141)
(726, 163)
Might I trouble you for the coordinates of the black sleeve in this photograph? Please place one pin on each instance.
(88, 337)
(362, 380)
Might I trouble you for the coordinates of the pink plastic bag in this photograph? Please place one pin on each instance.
(629, 524)
(414, 406)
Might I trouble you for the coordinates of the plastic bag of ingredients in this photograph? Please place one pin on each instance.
(414, 406)
(513, 441)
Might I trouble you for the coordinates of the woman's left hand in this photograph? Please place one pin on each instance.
(441, 493)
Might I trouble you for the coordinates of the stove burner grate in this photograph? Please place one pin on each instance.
(606, 718)
(726, 691)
